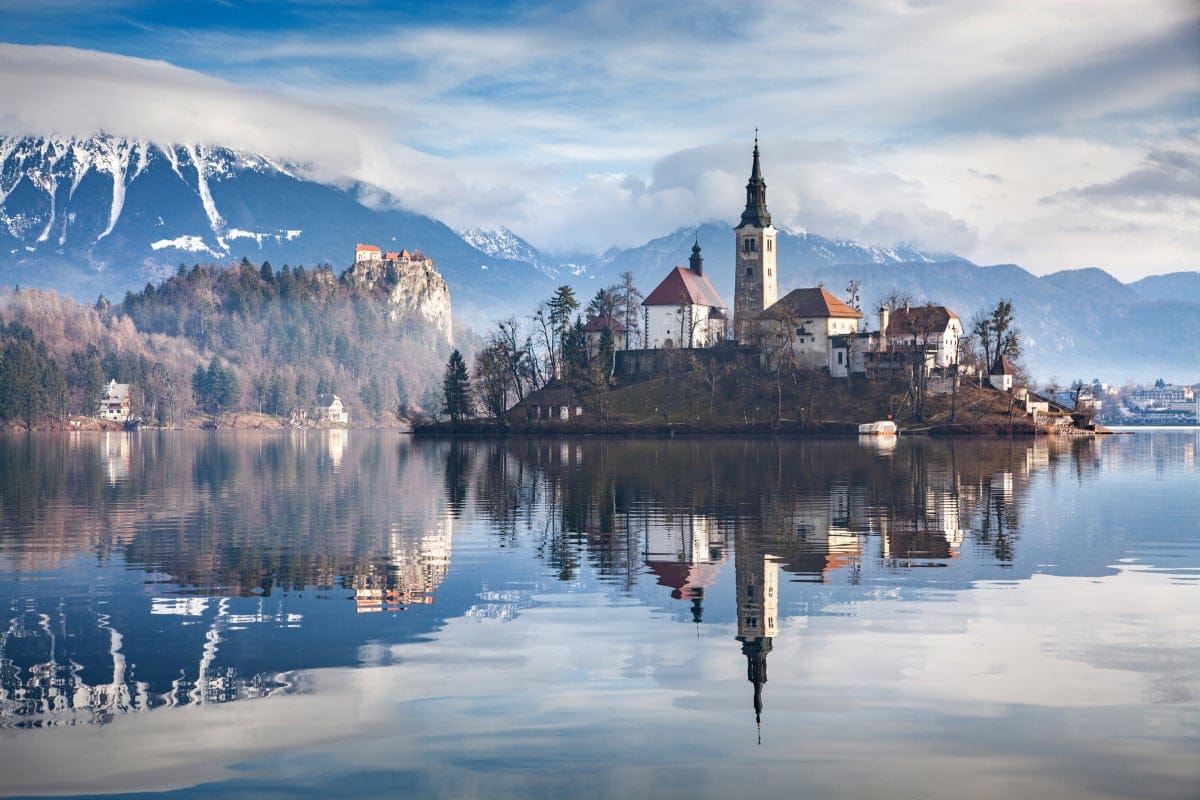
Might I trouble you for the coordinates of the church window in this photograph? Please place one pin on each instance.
(748, 245)
(749, 272)
(769, 243)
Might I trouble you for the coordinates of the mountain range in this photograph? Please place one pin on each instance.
(103, 214)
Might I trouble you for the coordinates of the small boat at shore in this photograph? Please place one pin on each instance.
(884, 427)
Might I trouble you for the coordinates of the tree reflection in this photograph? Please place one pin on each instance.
(233, 524)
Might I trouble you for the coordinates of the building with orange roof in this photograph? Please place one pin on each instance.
(367, 253)
(808, 324)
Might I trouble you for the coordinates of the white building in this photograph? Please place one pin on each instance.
(685, 310)
(935, 329)
(1001, 375)
(330, 408)
(367, 253)
(114, 402)
(803, 324)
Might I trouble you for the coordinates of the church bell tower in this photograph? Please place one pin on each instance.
(755, 284)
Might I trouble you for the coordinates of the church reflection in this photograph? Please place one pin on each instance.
(248, 572)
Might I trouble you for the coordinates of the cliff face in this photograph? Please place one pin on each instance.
(411, 286)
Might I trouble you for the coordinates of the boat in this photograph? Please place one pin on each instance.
(884, 427)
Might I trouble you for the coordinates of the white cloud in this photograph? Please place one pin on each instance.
(883, 121)
(77, 92)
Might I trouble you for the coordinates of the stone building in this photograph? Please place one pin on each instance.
(755, 281)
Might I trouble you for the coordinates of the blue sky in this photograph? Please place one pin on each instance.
(1054, 135)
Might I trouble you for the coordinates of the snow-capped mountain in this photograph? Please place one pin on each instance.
(102, 214)
(500, 242)
(799, 254)
(106, 214)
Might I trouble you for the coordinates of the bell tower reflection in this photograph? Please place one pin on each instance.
(757, 575)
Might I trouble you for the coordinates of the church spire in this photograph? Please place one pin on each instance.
(696, 262)
(756, 213)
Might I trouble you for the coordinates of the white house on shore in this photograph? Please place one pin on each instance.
(685, 309)
(115, 404)
(330, 408)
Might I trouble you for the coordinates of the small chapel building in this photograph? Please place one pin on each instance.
(685, 310)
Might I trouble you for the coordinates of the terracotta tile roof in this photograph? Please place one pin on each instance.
(604, 323)
(809, 303)
(366, 248)
(391, 257)
(919, 319)
(684, 287)
(1002, 366)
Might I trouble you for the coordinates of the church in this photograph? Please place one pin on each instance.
(686, 311)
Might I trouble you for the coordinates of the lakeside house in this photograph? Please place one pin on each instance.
(329, 408)
(551, 403)
(115, 404)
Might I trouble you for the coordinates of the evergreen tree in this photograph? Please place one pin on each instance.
(456, 388)
(215, 389)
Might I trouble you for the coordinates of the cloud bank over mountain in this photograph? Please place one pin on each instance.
(1000, 130)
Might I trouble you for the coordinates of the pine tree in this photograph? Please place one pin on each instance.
(456, 388)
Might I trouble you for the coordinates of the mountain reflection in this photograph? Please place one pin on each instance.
(149, 570)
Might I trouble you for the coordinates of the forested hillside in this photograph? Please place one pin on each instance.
(271, 339)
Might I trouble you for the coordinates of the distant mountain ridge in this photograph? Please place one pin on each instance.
(103, 214)
(106, 214)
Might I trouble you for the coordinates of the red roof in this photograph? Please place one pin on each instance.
(919, 320)
(391, 257)
(366, 248)
(809, 303)
(1002, 366)
(684, 287)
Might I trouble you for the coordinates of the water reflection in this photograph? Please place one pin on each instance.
(145, 571)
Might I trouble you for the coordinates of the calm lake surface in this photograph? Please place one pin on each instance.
(361, 614)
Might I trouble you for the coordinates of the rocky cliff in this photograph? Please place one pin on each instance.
(410, 285)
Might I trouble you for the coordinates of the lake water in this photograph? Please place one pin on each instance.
(361, 614)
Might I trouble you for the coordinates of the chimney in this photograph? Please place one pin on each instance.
(884, 318)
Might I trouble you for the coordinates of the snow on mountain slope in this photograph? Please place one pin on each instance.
(500, 242)
(102, 214)
(41, 176)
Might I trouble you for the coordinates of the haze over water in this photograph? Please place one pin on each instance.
(361, 614)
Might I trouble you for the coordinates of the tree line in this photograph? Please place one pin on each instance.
(210, 339)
